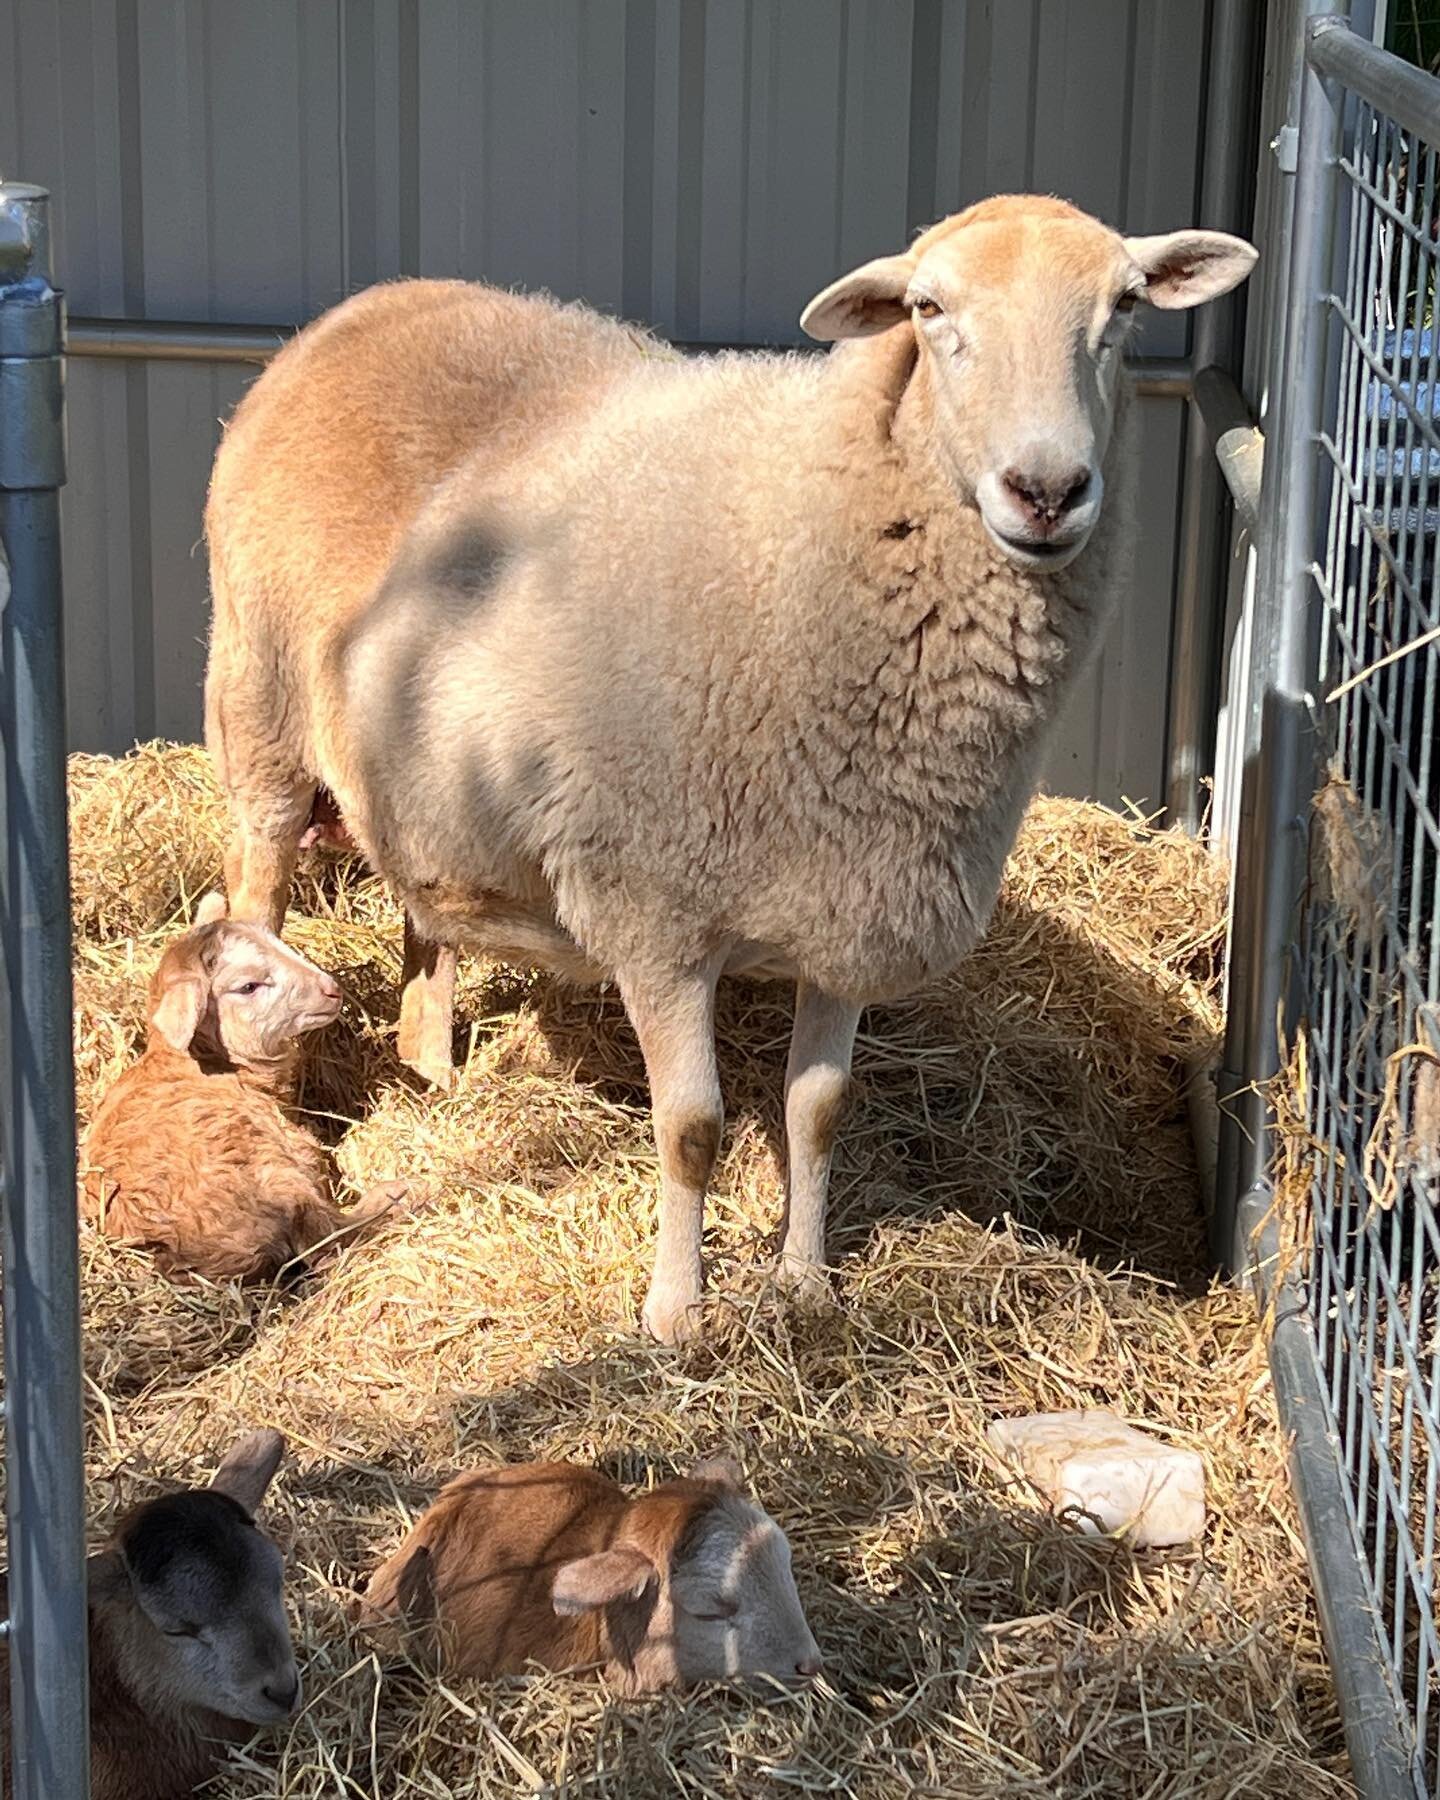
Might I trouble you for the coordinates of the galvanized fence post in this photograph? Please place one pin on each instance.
(1271, 830)
(50, 1744)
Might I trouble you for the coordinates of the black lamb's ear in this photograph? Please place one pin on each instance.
(249, 1468)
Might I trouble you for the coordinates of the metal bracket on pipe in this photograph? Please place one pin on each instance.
(24, 233)
(1239, 442)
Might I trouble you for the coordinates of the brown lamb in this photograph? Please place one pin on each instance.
(194, 1152)
(553, 1566)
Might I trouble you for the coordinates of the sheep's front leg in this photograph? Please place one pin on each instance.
(674, 1018)
(816, 1080)
(427, 1008)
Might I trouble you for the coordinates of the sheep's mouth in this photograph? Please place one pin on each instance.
(1040, 553)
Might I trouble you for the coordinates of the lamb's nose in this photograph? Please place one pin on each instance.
(329, 987)
(283, 1694)
(809, 1665)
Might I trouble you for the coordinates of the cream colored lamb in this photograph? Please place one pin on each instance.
(651, 668)
(193, 1153)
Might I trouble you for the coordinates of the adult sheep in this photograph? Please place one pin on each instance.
(650, 668)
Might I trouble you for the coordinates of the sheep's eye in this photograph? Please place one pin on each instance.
(928, 309)
(183, 1631)
(1127, 303)
(249, 987)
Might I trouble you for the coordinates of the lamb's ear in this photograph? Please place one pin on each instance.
(868, 299)
(1186, 268)
(724, 1471)
(249, 1468)
(415, 1587)
(179, 1010)
(591, 1582)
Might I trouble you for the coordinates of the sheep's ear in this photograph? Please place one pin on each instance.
(591, 1582)
(249, 1468)
(724, 1471)
(179, 1010)
(868, 299)
(1186, 268)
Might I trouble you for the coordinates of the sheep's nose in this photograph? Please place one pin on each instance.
(283, 1694)
(808, 1666)
(329, 987)
(1045, 499)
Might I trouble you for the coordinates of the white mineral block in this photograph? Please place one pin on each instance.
(1118, 1479)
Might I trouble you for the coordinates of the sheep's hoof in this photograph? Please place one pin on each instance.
(672, 1315)
(806, 1282)
(214, 906)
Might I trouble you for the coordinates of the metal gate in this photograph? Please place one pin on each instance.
(1334, 1018)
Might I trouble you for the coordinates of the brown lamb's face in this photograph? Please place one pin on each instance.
(237, 989)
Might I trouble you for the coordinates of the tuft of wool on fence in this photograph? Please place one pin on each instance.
(1016, 1227)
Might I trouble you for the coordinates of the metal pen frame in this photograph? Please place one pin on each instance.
(44, 1447)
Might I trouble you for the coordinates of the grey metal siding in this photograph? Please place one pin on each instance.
(704, 165)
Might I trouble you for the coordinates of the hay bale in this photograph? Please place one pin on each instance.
(1016, 1227)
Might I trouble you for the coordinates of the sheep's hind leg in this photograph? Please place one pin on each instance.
(816, 1080)
(674, 1018)
(427, 1008)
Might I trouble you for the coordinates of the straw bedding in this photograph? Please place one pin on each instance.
(1016, 1227)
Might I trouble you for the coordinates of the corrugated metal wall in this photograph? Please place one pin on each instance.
(704, 165)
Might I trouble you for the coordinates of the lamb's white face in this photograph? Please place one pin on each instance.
(237, 989)
(1020, 310)
(735, 1610)
(718, 1604)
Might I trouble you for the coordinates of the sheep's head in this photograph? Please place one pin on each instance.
(234, 991)
(1020, 309)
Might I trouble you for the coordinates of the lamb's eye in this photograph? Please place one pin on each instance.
(928, 309)
(183, 1631)
(1127, 303)
(250, 987)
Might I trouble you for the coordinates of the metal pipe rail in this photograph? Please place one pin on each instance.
(1226, 168)
(45, 1497)
(172, 340)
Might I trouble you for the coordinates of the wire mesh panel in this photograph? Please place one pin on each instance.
(1368, 1014)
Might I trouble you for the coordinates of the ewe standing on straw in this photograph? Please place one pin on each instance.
(653, 669)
